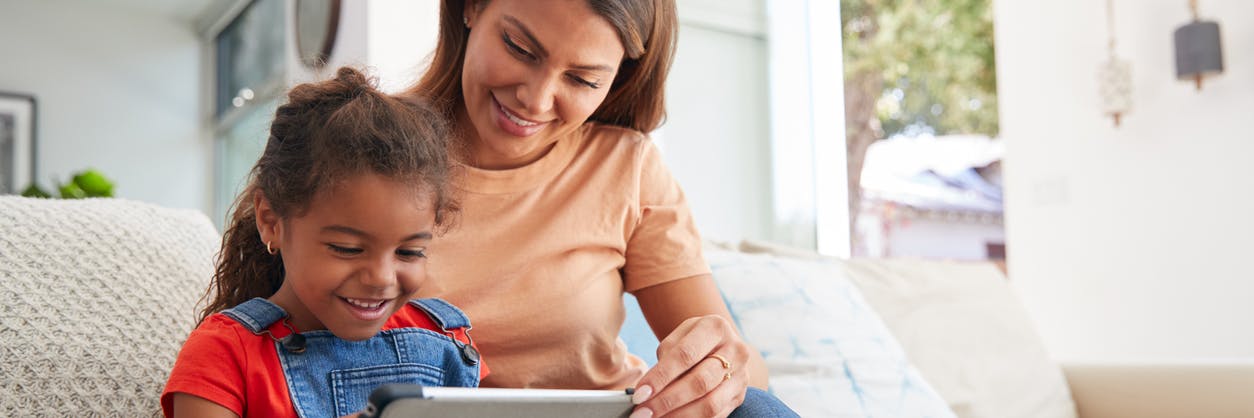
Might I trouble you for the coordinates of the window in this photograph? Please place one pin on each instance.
(250, 72)
(921, 117)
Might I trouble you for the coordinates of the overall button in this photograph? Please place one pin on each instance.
(470, 354)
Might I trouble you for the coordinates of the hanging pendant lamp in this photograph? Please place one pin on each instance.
(1199, 53)
(1114, 76)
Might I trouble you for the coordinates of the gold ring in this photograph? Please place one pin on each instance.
(727, 376)
(721, 359)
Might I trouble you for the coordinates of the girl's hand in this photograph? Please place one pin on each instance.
(701, 372)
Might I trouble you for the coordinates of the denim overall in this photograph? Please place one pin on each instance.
(334, 377)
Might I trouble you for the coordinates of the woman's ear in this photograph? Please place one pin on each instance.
(268, 222)
(470, 12)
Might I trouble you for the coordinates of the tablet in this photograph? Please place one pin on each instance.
(412, 401)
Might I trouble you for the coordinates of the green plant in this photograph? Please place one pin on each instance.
(84, 184)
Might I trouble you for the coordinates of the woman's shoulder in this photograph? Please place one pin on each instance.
(614, 140)
(613, 132)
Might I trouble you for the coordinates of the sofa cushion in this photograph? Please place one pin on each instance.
(964, 329)
(829, 354)
(98, 296)
(969, 335)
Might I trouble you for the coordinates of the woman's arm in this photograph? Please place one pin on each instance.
(694, 326)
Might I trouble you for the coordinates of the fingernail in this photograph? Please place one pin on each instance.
(642, 394)
(641, 413)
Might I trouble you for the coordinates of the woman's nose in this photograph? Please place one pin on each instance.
(536, 95)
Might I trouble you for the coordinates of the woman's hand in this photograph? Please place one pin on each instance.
(697, 334)
(702, 371)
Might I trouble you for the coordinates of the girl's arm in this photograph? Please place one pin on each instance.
(695, 328)
(186, 405)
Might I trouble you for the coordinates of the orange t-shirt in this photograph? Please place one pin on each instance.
(542, 254)
(223, 362)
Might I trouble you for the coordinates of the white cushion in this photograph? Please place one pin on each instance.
(98, 296)
(968, 334)
(829, 354)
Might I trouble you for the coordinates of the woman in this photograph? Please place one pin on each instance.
(567, 204)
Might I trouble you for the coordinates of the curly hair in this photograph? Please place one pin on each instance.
(329, 131)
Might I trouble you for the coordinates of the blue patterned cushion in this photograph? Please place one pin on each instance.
(829, 354)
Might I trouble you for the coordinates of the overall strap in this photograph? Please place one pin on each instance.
(447, 316)
(257, 314)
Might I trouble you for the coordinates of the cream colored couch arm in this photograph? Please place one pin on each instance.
(1169, 390)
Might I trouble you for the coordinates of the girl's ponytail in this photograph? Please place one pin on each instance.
(245, 267)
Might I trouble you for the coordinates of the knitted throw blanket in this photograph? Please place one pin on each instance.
(96, 297)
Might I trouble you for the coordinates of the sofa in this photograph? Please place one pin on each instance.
(100, 293)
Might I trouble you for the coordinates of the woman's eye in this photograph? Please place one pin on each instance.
(585, 83)
(344, 250)
(411, 253)
(515, 48)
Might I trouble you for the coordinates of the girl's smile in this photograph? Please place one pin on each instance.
(366, 309)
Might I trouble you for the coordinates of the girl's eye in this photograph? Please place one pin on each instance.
(515, 48)
(344, 250)
(403, 253)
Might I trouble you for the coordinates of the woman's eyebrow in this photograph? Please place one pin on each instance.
(527, 33)
(540, 51)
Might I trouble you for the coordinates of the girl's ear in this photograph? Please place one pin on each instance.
(268, 224)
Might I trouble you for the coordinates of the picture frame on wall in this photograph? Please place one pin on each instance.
(18, 133)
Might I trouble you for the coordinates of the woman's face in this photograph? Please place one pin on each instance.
(535, 70)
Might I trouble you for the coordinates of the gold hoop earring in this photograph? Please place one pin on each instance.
(272, 251)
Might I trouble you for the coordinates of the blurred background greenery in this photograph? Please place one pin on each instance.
(915, 67)
(84, 184)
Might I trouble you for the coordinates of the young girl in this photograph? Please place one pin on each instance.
(310, 307)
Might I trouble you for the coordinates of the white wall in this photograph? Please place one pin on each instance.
(400, 35)
(927, 236)
(117, 91)
(716, 136)
(1128, 243)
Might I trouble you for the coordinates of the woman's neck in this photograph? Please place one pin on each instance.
(479, 156)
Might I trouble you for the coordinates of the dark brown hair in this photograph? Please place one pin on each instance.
(327, 132)
(647, 28)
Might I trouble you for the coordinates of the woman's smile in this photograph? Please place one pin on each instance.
(513, 124)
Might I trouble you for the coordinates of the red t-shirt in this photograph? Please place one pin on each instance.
(225, 363)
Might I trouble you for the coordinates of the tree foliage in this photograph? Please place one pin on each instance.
(934, 59)
(915, 67)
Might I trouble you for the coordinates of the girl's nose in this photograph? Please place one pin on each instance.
(380, 274)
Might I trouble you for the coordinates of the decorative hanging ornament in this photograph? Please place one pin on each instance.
(1114, 76)
(1199, 53)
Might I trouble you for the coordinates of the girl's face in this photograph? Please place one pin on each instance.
(534, 70)
(354, 258)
